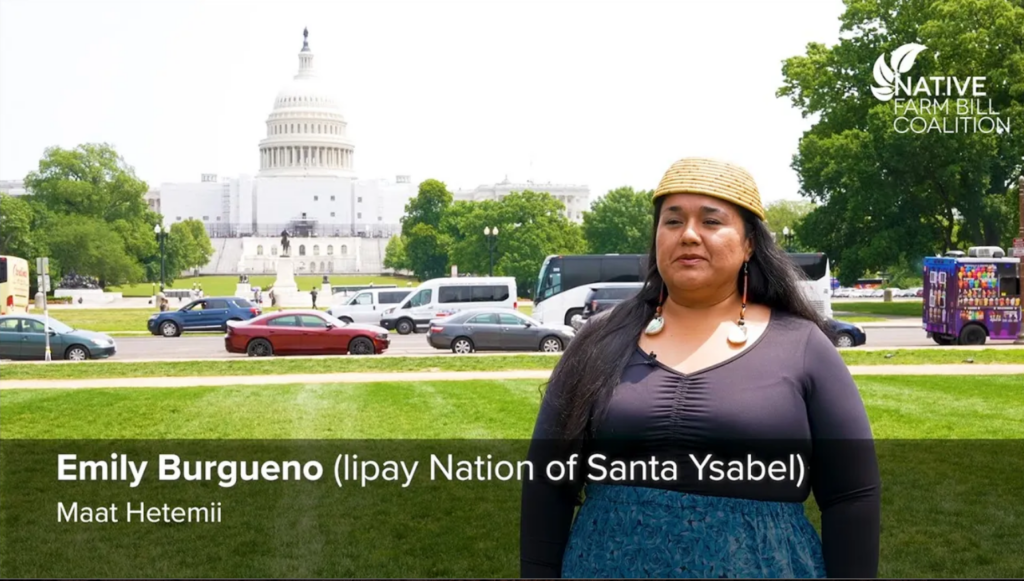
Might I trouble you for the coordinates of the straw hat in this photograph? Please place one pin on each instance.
(710, 177)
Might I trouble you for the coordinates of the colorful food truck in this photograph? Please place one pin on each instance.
(970, 299)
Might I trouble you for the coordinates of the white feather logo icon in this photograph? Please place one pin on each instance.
(885, 76)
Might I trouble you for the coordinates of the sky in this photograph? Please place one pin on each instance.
(601, 93)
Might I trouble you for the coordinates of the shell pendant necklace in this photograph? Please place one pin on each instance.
(737, 335)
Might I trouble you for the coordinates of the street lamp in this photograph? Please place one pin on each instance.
(787, 234)
(160, 234)
(492, 235)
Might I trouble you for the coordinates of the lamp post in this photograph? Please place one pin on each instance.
(787, 234)
(1020, 265)
(160, 234)
(491, 234)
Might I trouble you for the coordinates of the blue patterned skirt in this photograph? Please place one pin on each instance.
(630, 531)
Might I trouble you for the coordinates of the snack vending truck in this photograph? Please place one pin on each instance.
(968, 300)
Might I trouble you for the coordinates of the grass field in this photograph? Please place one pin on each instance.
(951, 506)
(893, 309)
(342, 364)
(215, 286)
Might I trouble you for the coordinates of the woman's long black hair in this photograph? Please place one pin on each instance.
(593, 363)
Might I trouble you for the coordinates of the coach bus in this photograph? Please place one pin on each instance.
(817, 283)
(14, 285)
(563, 282)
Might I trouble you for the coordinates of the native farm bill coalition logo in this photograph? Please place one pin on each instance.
(927, 104)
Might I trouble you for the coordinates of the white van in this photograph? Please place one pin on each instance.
(440, 297)
(368, 305)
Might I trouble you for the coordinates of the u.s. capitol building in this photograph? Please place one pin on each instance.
(307, 185)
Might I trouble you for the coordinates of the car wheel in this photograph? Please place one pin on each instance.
(844, 340)
(573, 313)
(169, 329)
(346, 320)
(360, 346)
(259, 348)
(405, 327)
(942, 339)
(551, 345)
(462, 346)
(973, 335)
(76, 353)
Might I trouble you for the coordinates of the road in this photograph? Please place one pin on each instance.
(211, 346)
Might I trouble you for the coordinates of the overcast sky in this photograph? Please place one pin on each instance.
(603, 93)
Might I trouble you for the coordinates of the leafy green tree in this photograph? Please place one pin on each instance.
(886, 197)
(90, 190)
(426, 244)
(394, 254)
(620, 222)
(17, 237)
(535, 228)
(784, 214)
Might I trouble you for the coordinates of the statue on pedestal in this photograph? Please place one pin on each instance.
(285, 244)
(327, 279)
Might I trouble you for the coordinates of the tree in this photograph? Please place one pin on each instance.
(91, 191)
(426, 245)
(17, 237)
(888, 197)
(620, 222)
(394, 254)
(787, 214)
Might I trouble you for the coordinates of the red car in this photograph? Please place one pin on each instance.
(303, 333)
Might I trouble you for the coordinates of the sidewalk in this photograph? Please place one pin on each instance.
(403, 377)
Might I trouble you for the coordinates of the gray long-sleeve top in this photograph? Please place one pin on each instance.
(788, 391)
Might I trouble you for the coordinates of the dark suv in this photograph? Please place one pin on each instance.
(603, 296)
(206, 314)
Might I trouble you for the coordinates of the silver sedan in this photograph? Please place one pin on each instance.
(497, 330)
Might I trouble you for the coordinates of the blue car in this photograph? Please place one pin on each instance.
(847, 334)
(206, 314)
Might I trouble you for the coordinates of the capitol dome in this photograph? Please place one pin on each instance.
(306, 132)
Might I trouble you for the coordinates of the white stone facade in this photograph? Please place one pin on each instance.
(314, 255)
(576, 198)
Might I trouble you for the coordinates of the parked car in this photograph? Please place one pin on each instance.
(497, 329)
(24, 337)
(303, 332)
(847, 334)
(369, 305)
(206, 314)
(602, 297)
(441, 297)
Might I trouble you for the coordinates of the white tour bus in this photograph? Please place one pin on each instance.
(443, 296)
(564, 281)
(817, 283)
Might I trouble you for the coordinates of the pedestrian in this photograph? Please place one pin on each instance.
(313, 293)
(719, 353)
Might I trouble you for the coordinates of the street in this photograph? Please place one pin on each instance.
(211, 346)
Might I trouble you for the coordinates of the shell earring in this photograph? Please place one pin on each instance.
(658, 322)
(738, 335)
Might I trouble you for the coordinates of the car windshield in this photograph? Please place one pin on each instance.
(60, 327)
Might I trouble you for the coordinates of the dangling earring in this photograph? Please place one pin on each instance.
(658, 322)
(738, 335)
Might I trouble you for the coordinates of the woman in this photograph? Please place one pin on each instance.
(719, 354)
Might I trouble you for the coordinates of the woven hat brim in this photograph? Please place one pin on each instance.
(712, 178)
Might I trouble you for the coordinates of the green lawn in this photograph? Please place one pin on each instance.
(286, 365)
(951, 502)
(893, 309)
(225, 285)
